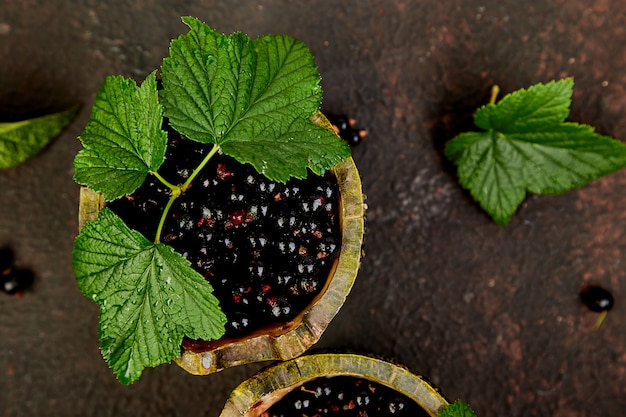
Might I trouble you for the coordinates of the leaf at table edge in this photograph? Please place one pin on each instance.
(28, 141)
(458, 408)
(98, 285)
(123, 140)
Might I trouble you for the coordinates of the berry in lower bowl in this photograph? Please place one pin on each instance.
(344, 396)
(329, 384)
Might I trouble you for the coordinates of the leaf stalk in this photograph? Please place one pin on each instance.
(196, 171)
(178, 190)
(164, 181)
(495, 90)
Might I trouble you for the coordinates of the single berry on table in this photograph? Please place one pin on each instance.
(13, 280)
(17, 281)
(597, 299)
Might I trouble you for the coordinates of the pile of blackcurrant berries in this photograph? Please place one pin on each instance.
(266, 248)
(13, 280)
(344, 396)
(346, 128)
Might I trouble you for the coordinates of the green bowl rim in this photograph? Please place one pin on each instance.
(256, 394)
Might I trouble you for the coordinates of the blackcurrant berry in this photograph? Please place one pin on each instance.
(346, 129)
(16, 281)
(597, 298)
(339, 121)
(239, 322)
(363, 399)
(353, 137)
(278, 308)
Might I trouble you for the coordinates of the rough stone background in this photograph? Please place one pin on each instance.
(489, 314)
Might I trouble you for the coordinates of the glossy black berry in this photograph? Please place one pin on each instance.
(239, 323)
(16, 281)
(339, 121)
(363, 399)
(597, 298)
(346, 128)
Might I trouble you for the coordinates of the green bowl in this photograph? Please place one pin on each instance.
(255, 395)
(286, 340)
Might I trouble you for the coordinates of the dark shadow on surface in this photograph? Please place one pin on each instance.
(26, 96)
(451, 116)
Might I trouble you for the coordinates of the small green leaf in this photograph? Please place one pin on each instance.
(459, 408)
(528, 110)
(252, 98)
(21, 140)
(123, 140)
(527, 146)
(149, 296)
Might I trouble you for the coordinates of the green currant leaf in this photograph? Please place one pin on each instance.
(21, 140)
(539, 106)
(149, 296)
(123, 140)
(528, 146)
(459, 408)
(253, 99)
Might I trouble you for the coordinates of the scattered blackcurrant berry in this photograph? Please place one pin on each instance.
(346, 128)
(597, 299)
(12, 280)
(16, 281)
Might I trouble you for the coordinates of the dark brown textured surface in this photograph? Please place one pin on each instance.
(489, 314)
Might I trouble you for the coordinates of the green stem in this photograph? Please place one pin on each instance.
(600, 320)
(173, 198)
(178, 190)
(164, 181)
(206, 159)
(495, 90)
